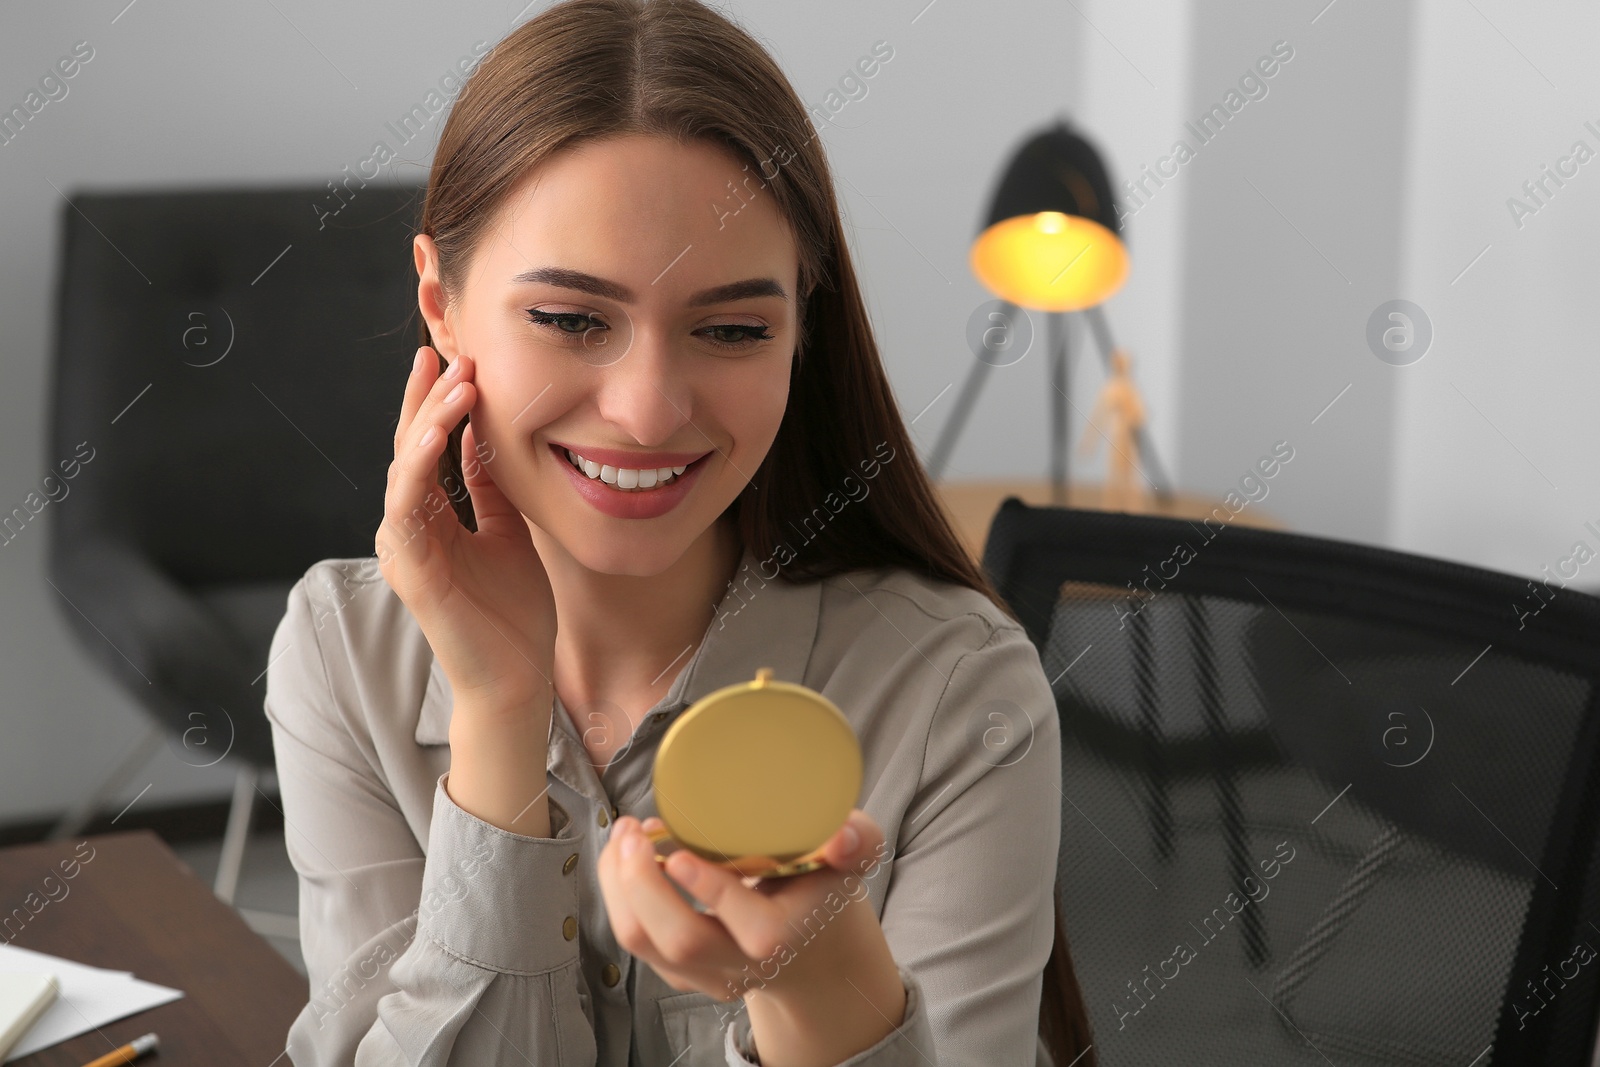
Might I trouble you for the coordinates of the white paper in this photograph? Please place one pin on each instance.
(90, 997)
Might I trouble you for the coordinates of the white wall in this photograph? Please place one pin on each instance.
(1497, 429)
(1292, 238)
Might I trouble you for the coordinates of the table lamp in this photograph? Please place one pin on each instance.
(1052, 242)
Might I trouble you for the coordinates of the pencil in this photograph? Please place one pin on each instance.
(127, 1053)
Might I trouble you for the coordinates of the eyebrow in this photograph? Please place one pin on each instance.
(587, 283)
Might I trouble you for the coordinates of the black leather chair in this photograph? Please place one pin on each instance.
(1322, 802)
(231, 363)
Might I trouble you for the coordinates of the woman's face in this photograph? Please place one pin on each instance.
(624, 306)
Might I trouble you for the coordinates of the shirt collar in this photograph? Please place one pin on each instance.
(761, 621)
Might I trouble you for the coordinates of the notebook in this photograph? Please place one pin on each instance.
(86, 997)
(23, 998)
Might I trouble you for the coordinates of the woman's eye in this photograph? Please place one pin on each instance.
(579, 324)
(748, 335)
(570, 323)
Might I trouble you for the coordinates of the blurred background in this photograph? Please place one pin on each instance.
(1401, 152)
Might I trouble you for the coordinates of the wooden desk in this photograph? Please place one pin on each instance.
(972, 505)
(136, 907)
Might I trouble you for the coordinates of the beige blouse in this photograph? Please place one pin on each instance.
(433, 938)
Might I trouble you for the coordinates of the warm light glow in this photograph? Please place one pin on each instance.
(1050, 261)
(1050, 222)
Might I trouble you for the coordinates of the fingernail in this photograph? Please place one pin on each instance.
(455, 368)
(455, 394)
(630, 845)
(416, 364)
(850, 838)
(429, 437)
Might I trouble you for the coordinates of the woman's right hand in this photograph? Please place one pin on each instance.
(483, 599)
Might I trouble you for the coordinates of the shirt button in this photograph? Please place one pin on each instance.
(572, 861)
(660, 716)
(604, 818)
(610, 975)
(569, 927)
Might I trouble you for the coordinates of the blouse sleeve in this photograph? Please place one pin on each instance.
(969, 913)
(459, 956)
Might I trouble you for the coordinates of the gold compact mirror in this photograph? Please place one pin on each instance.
(756, 777)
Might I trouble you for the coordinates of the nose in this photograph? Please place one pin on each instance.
(646, 394)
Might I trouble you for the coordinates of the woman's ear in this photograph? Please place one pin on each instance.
(431, 298)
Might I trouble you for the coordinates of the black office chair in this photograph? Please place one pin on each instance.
(231, 364)
(1398, 752)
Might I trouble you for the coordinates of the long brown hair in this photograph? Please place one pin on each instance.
(589, 69)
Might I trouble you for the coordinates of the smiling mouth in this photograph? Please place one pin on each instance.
(627, 479)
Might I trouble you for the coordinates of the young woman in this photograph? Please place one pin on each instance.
(683, 462)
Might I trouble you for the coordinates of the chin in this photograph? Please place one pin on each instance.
(631, 556)
(639, 548)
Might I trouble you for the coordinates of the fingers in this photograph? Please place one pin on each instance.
(758, 919)
(489, 504)
(694, 951)
(625, 925)
(859, 841)
(424, 369)
(434, 400)
(648, 916)
(756, 922)
(432, 405)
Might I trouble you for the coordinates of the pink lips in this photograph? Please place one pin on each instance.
(633, 460)
(623, 504)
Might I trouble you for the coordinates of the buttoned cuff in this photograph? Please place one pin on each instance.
(908, 1045)
(499, 900)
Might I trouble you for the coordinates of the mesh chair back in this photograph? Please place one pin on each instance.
(1323, 802)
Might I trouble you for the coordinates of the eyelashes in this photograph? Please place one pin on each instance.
(750, 334)
(558, 321)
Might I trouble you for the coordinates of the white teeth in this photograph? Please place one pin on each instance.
(625, 479)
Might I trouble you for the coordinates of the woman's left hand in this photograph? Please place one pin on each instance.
(751, 940)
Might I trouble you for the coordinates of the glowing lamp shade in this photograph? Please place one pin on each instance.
(1050, 261)
(1052, 239)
